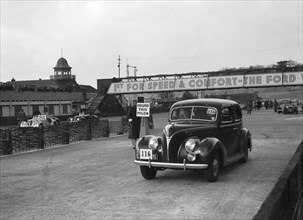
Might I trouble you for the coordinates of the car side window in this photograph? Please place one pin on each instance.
(226, 115)
(237, 113)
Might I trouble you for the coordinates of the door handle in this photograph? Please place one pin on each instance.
(235, 129)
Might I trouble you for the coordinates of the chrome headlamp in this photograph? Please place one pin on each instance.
(190, 145)
(153, 143)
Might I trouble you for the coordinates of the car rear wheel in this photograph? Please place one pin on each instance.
(148, 173)
(212, 172)
(245, 151)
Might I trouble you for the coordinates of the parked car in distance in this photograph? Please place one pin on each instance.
(201, 134)
(287, 106)
(40, 121)
(82, 117)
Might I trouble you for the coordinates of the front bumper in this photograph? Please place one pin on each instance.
(183, 165)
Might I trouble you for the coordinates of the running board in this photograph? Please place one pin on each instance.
(234, 158)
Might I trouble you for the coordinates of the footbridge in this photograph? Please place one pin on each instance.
(205, 81)
(116, 90)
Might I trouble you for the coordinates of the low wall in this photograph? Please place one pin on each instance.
(16, 140)
(119, 127)
(285, 201)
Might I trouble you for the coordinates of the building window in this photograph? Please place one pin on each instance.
(17, 109)
(36, 110)
(65, 109)
(45, 109)
(51, 109)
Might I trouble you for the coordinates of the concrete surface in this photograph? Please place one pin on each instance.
(98, 179)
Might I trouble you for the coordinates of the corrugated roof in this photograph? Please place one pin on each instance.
(41, 82)
(40, 96)
(88, 89)
(68, 84)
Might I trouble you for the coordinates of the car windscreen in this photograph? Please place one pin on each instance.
(194, 113)
(294, 102)
(284, 102)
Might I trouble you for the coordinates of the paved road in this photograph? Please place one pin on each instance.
(98, 179)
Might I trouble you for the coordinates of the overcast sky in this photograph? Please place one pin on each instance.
(157, 37)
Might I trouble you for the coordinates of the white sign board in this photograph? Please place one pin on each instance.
(209, 82)
(143, 109)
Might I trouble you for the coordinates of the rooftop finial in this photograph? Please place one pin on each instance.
(61, 52)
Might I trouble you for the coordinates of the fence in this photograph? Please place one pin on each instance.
(16, 140)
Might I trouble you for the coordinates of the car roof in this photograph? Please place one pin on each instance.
(284, 100)
(215, 102)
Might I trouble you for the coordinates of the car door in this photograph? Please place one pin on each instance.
(227, 129)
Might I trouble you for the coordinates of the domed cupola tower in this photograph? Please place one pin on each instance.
(62, 70)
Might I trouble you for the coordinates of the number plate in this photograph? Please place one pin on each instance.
(146, 154)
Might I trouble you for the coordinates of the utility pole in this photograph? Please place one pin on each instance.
(135, 71)
(119, 65)
(127, 69)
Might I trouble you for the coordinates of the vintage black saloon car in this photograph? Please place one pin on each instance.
(201, 134)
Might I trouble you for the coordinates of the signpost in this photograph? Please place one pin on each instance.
(143, 111)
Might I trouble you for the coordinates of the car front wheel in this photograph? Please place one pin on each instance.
(148, 173)
(212, 172)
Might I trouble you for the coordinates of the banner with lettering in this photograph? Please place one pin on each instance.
(208, 82)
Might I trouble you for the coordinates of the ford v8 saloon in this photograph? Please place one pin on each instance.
(201, 134)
